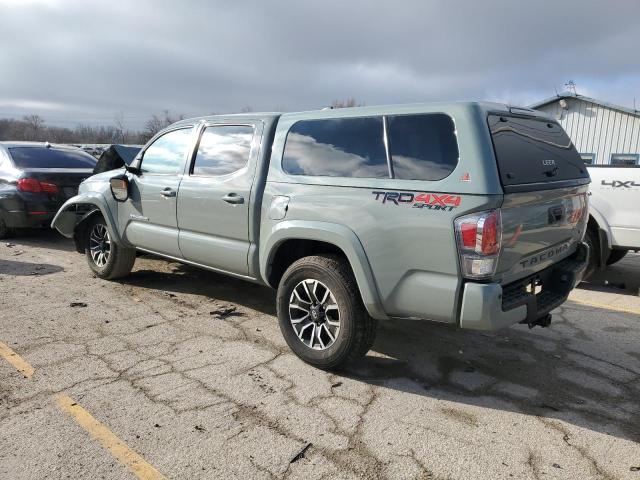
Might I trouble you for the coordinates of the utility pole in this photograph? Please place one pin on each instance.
(571, 87)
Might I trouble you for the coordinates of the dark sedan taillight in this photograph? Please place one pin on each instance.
(33, 185)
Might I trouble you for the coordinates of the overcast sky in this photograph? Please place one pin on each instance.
(86, 61)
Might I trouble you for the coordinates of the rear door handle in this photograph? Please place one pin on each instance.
(167, 192)
(233, 198)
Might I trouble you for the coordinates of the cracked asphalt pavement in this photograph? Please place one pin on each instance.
(189, 370)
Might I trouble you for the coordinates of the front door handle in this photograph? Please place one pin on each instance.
(233, 198)
(168, 192)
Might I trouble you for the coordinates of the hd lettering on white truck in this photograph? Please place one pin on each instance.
(620, 183)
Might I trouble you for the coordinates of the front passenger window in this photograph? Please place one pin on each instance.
(166, 155)
(223, 150)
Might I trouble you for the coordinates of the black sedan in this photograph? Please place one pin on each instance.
(35, 180)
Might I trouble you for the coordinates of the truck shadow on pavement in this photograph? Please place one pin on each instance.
(185, 279)
(561, 372)
(16, 268)
(40, 237)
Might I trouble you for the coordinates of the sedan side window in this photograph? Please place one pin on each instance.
(166, 155)
(223, 150)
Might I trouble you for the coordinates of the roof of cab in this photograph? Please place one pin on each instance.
(234, 117)
(5, 146)
(413, 108)
(22, 144)
(398, 109)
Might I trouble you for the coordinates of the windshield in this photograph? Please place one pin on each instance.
(533, 150)
(42, 157)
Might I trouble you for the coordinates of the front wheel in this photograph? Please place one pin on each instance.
(321, 314)
(107, 259)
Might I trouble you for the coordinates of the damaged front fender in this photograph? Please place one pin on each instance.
(77, 211)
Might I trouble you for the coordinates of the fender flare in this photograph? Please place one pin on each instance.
(604, 235)
(67, 219)
(340, 236)
(601, 223)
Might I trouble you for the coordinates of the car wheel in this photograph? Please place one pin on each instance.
(321, 314)
(615, 256)
(5, 232)
(106, 258)
(592, 241)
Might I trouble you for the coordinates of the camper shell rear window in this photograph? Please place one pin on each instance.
(533, 150)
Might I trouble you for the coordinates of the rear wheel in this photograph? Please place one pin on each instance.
(106, 258)
(615, 256)
(321, 314)
(5, 232)
(591, 239)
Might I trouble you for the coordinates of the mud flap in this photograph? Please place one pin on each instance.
(79, 229)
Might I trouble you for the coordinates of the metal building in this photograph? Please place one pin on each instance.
(603, 133)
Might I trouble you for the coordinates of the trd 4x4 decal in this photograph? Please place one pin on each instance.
(431, 201)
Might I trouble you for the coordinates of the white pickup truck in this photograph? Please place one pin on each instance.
(614, 208)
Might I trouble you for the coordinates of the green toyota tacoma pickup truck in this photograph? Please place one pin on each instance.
(470, 214)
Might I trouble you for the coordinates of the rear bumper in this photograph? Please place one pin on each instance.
(493, 306)
(25, 219)
(27, 210)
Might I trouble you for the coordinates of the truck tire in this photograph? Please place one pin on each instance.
(107, 259)
(591, 239)
(321, 314)
(615, 256)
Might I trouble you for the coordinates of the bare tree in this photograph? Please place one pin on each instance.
(246, 109)
(118, 121)
(157, 123)
(32, 127)
(34, 124)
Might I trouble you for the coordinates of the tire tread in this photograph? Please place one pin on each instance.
(123, 257)
(366, 326)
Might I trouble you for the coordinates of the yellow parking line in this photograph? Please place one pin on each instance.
(16, 360)
(634, 311)
(109, 441)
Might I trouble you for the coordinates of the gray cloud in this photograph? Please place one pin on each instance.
(85, 61)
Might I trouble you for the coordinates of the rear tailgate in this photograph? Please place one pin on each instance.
(544, 213)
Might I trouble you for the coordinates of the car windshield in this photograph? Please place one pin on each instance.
(43, 157)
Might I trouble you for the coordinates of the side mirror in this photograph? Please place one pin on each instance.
(119, 188)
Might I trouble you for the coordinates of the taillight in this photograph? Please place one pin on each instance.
(49, 187)
(33, 185)
(479, 241)
(29, 185)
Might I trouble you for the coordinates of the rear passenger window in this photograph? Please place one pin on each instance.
(223, 150)
(422, 147)
(337, 147)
